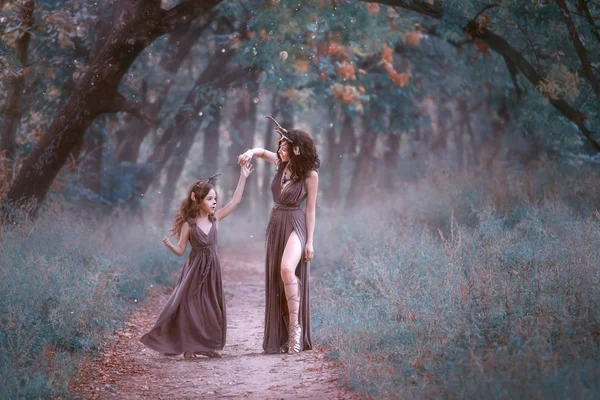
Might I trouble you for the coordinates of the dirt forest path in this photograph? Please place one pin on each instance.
(126, 369)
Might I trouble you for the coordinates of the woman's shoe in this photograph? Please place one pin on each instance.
(294, 338)
(294, 329)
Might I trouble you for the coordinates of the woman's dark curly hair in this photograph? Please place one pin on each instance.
(191, 208)
(302, 164)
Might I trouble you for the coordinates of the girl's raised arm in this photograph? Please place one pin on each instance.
(183, 240)
(222, 213)
(257, 152)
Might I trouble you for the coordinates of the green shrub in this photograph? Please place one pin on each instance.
(64, 285)
(417, 300)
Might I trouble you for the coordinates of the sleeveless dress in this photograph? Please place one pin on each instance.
(194, 317)
(286, 216)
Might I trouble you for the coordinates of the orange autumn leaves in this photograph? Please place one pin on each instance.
(373, 8)
(346, 70)
(347, 94)
(350, 94)
(399, 78)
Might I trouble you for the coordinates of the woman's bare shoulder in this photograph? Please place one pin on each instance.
(312, 174)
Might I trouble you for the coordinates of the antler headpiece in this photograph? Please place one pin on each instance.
(280, 129)
(210, 180)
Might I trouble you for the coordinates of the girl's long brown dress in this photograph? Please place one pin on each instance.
(194, 317)
(286, 217)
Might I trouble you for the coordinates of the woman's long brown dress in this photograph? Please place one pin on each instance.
(194, 317)
(286, 217)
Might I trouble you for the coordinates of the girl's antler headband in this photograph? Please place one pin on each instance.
(210, 180)
(213, 178)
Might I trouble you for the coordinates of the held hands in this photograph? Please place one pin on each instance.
(245, 158)
(246, 169)
(309, 252)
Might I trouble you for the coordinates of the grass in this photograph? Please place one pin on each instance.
(457, 287)
(67, 282)
(462, 289)
(65, 285)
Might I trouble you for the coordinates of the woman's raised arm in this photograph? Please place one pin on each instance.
(257, 152)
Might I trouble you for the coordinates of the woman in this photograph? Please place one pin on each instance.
(289, 240)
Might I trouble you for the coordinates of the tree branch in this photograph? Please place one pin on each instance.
(579, 47)
(484, 9)
(586, 11)
(513, 75)
(434, 10)
(184, 12)
(121, 104)
(502, 47)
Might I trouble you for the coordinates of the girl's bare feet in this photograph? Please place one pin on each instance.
(209, 354)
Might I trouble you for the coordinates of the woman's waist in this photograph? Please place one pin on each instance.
(286, 207)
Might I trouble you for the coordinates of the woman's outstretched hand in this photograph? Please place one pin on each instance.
(167, 242)
(246, 169)
(245, 158)
(309, 252)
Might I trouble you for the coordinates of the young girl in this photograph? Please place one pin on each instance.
(193, 321)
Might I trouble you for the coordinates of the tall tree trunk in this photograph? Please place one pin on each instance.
(13, 107)
(130, 138)
(391, 155)
(189, 111)
(249, 138)
(512, 69)
(210, 152)
(242, 138)
(179, 44)
(134, 133)
(346, 148)
(208, 164)
(90, 166)
(140, 22)
(337, 146)
(462, 131)
(332, 156)
(362, 169)
(286, 112)
(265, 191)
(175, 167)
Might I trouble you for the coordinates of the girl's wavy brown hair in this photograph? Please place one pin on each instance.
(308, 159)
(190, 209)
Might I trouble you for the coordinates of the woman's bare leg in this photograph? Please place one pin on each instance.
(289, 262)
